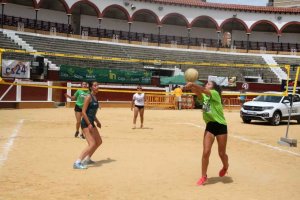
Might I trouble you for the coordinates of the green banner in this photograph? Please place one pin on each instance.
(72, 73)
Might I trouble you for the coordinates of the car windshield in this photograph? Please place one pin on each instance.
(272, 99)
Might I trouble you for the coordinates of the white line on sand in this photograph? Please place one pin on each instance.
(249, 140)
(7, 146)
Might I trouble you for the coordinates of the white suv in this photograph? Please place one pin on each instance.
(271, 108)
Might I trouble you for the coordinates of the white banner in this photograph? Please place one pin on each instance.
(223, 81)
(15, 69)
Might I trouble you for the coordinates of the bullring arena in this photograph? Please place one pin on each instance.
(161, 161)
(49, 47)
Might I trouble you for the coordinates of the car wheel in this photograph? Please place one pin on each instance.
(275, 121)
(246, 120)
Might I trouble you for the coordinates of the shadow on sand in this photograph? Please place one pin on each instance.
(99, 163)
(224, 180)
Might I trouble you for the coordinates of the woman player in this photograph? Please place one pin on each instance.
(138, 104)
(91, 133)
(79, 97)
(216, 126)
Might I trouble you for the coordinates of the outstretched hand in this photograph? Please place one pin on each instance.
(188, 86)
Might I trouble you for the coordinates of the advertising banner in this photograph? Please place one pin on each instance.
(15, 69)
(72, 73)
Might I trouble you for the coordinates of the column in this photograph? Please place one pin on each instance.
(69, 18)
(278, 43)
(218, 44)
(189, 36)
(158, 39)
(129, 31)
(248, 37)
(2, 14)
(99, 28)
(36, 18)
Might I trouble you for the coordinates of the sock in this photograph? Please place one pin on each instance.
(87, 158)
(78, 161)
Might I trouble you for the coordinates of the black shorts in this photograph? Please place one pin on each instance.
(216, 128)
(84, 124)
(77, 108)
(139, 107)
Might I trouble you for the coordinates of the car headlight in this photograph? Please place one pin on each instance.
(268, 108)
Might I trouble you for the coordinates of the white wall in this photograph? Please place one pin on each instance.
(29, 12)
(19, 11)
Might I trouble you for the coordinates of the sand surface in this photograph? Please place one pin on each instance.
(161, 161)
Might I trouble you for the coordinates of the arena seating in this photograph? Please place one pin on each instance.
(125, 51)
(289, 61)
(6, 43)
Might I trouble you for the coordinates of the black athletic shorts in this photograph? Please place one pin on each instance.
(139, 107)
(77, 108)
(216, 129)
(84, 124)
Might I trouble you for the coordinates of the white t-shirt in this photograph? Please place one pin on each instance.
(139, 99)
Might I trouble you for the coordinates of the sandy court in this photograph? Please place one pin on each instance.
(162, 161)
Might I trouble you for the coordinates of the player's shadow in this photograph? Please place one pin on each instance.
(224, 180)
(99, 163)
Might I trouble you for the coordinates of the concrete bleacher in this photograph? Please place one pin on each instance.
(6, 43)
(289, 61)
(82, 47)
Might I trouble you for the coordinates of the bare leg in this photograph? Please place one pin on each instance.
(78, 116)
(91, 144)
(141, 111)
(136, 112)
(222, 142)
(98, 139)
(207, 144)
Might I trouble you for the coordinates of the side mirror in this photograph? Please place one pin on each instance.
(285, 101)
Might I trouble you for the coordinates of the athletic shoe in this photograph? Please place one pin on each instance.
(88, 162)
(76, 134)
(223, 172)
(79, 166)
(82, 136)
(202, 180)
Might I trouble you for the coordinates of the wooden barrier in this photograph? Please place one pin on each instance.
(160, 101)
(187, 102)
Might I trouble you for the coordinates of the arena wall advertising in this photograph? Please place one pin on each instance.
(15, 69)
(73, 73)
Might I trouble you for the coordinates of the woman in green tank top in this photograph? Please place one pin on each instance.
(91, 133)
(216, 126)
(79, 96)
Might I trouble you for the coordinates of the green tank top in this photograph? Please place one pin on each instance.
(213, 108)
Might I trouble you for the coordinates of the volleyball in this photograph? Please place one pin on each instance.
(191, 75)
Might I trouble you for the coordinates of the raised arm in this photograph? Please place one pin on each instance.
(73, 98)
(197, 89)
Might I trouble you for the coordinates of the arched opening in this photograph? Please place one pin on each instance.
(264, 34)
(84, 14)
(264, 31)
(290, 35)
(204, 27)
(29, 3)
(233, 32)
(115, 17)
(145, 22)
(57, 10)
(174, 28)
